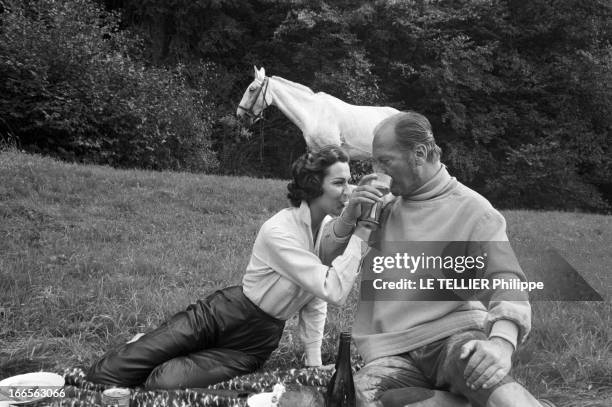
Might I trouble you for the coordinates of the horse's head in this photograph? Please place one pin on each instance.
(255, 98)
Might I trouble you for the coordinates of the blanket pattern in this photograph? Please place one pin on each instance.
(231, 393)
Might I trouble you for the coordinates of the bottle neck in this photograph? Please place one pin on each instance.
(344, 352)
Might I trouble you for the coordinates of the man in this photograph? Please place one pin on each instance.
(427, 351)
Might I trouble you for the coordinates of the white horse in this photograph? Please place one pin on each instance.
(322, 118)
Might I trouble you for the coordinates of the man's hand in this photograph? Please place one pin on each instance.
(489, 362)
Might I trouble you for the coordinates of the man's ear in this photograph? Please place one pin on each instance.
(420, 154)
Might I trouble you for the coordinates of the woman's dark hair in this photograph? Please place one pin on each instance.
(308, 172)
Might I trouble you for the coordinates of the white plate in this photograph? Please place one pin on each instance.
(260, 400)
(43, 381)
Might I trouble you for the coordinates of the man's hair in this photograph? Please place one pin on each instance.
(308, 172)
(412, 128)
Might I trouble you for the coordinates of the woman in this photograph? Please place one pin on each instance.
(233, 331)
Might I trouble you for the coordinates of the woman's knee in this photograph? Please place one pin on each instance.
(201, 369)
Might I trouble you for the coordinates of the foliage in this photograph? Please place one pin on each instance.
(543, 177)
(518, 92)
(317, 41)
(74, 87)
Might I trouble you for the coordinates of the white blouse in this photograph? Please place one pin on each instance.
(289, 272)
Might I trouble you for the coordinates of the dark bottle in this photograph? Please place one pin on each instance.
(341, 389)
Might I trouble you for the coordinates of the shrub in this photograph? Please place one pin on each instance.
(545, 177)
(75, 86)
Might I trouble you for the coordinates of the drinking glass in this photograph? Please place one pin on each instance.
(382, 183)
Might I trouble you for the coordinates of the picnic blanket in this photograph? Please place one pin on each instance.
(234, 392)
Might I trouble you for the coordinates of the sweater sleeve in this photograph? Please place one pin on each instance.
(288, 257)
(509, 311)
(310, 330)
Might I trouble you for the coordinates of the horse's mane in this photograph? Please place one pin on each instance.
(294, 84)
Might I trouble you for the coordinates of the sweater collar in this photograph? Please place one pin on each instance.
(440, 183)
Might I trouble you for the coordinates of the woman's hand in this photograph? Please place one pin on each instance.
(362, 196)
(330, 367)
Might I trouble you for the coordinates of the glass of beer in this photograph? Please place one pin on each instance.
(382, 183)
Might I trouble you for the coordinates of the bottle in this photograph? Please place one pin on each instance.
(341, 388)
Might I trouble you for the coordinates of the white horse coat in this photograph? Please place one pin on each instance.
(322, 118)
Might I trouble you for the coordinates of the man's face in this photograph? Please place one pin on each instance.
(399, 164)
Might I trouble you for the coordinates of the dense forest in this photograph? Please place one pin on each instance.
(519, 92)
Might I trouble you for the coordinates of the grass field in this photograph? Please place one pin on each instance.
(91, 255)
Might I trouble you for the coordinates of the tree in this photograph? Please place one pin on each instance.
(514, 90)
(74, 86)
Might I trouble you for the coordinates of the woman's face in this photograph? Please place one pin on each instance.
(335, 189)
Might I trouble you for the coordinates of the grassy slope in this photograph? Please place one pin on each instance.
(91, 255)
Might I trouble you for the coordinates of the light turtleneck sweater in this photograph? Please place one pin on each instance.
(442, 210)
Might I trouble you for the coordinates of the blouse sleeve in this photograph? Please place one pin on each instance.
(310, 330)
(288, 257)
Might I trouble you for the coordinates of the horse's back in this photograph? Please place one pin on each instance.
(351, 112)
(350, 126)
(377, 113)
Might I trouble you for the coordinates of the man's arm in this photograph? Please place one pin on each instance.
(509, 314)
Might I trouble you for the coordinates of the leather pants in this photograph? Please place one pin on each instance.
(216, 339)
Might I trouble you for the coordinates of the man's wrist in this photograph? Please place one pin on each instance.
(504, 343)
(505, 329)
